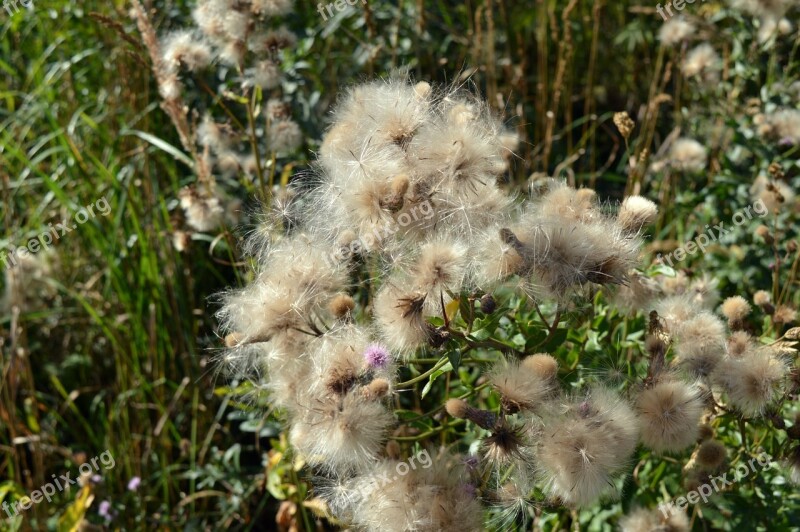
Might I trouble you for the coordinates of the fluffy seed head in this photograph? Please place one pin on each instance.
(701, 344)
(739, 343)
(399, 317)
(342, 435)
(506, 444)
(736, 309)
(675, 30)
(376, 390)
(580, 450)
(284, 136)
(520, 386)
(636, 212)
(670, 414)
(784, 315)
(752, 382)
(761, 298)
(342, 306)
(183, 49)
(703, 63)
(644, 520)
(688, 155)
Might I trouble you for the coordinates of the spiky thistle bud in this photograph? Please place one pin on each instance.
(460, 409)
(488, 304)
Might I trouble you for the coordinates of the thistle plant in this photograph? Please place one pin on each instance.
(409, 262)
(233, 54)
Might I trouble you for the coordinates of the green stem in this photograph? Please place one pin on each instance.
(425, 375)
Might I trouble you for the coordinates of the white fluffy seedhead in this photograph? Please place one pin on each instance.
(752, 381)
(700, 344)
(669, 415)
(341, 434)
(521, 386)
(654, 520)
(688, 155)
(439, 497)
(564, 254)
(399, 316)
(581, 449)
(295, 285)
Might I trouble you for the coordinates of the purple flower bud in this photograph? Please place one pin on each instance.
(104, 510)
(133, 483)
(377, 356)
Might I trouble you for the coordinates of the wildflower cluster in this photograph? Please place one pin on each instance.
(242, 44)
(330, 360)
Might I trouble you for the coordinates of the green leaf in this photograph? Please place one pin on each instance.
(435, 375)
(455, 358)
(162, 145)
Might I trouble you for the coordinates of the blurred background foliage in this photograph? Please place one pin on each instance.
(118, 353)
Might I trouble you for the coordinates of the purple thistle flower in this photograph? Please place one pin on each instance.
(377, 356)
(104, 510)
(133, 483)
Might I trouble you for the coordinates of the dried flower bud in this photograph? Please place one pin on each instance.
(342, 306)
(711, 454)
(233, 339)
(542, 364)
(375, 390)
(393, 450)
(763, 232)
(624, 124)
(784, 314)
(705, 432)
(460, 409)
(775, 170)
(488, 304)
